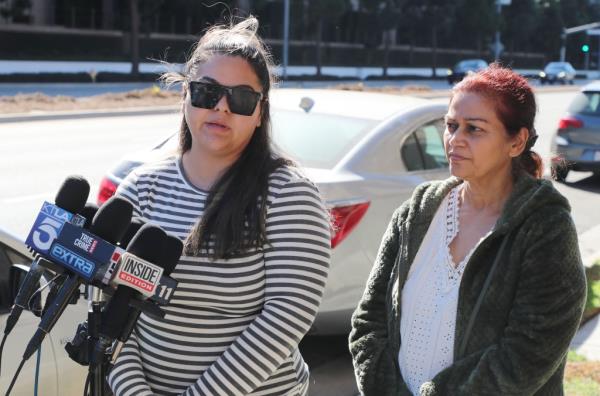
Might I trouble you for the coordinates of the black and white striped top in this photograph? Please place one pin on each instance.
(233, 326)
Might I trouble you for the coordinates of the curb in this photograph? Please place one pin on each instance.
(63, 115)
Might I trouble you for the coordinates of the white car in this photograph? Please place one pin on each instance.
(366, 152)
(58, 374)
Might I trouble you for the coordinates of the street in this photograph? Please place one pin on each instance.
(35, 158)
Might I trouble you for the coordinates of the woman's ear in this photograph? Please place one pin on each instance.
(518, 142)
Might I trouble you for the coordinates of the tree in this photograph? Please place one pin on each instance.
(135, 42)
(17, 11)
(546, 38)
(476, 22)
(430, 17)
(320, 11)
(521, 19)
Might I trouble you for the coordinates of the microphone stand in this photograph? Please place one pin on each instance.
(96, 372)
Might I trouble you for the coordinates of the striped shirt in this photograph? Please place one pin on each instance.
(233, 325)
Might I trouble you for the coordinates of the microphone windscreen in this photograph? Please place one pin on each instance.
(112, 219)
(89, 211)
(132, 229)
(73, 194)
(171, 253)
(148, 243)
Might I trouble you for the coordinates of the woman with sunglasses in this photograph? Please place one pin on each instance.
(256, 234)
(478, 286)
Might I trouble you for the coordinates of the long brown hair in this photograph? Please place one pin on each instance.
(234, 218)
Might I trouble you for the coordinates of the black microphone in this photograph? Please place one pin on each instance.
(132, 229)
(70, 197)
(147, 245)
(88, 212)
(110, 224)
(169, 259)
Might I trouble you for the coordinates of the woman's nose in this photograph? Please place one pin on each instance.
(222, 104)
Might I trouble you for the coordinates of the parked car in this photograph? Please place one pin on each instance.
(366, 152)
(576, 143)
(464, 67)
(558, 72)
(58, 374)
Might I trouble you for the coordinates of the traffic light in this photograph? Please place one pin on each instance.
(585, 48)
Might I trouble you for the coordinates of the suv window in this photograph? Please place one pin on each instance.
(424, 148)
(586, 103)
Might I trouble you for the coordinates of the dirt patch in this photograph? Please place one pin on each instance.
(404, 90)
(26, 103)
(586, 369)
(37, 102)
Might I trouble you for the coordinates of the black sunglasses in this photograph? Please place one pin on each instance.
(241, 100)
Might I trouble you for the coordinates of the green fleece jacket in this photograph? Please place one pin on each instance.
(527, 317)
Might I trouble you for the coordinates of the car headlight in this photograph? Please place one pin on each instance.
(542, 74)
(561, 74)
(449, 72)
(561, 141)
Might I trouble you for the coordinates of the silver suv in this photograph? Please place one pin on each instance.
(576, 143)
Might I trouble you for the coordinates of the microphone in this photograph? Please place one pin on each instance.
(137, 275)
(88, 212)
(71, 197)
(108, 225)
(169, 259)
(132, 229)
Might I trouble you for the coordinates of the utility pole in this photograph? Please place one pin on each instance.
(286, 35)
(498, 47)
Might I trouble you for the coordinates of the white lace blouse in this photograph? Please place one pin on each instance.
(429, 299)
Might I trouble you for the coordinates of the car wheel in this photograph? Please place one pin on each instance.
(559, 172)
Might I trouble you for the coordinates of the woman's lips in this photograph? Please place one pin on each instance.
(456, 157)
(216, 126)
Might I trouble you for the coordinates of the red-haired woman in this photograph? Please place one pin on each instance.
(478, 286)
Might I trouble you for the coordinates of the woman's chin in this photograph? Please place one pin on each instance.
(459, 172)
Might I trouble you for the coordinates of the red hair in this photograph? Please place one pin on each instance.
(515, 107)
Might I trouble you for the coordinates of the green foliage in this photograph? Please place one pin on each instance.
(17, 10)
(581, 387)
(573, 356)
(593, 288)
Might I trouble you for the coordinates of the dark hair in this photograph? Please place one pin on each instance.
(515, 106)
(234, 218)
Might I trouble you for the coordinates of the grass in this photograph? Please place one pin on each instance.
(582, 387)
(592, 304)
(582, 377)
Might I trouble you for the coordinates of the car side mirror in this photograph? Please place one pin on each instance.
(16, 276)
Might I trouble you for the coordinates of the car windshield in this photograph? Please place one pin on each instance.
(317, 140)
(556, 67)
(470, 64)
(586, 103)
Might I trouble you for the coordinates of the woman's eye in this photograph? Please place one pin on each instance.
(451, 126)
(474, 128)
